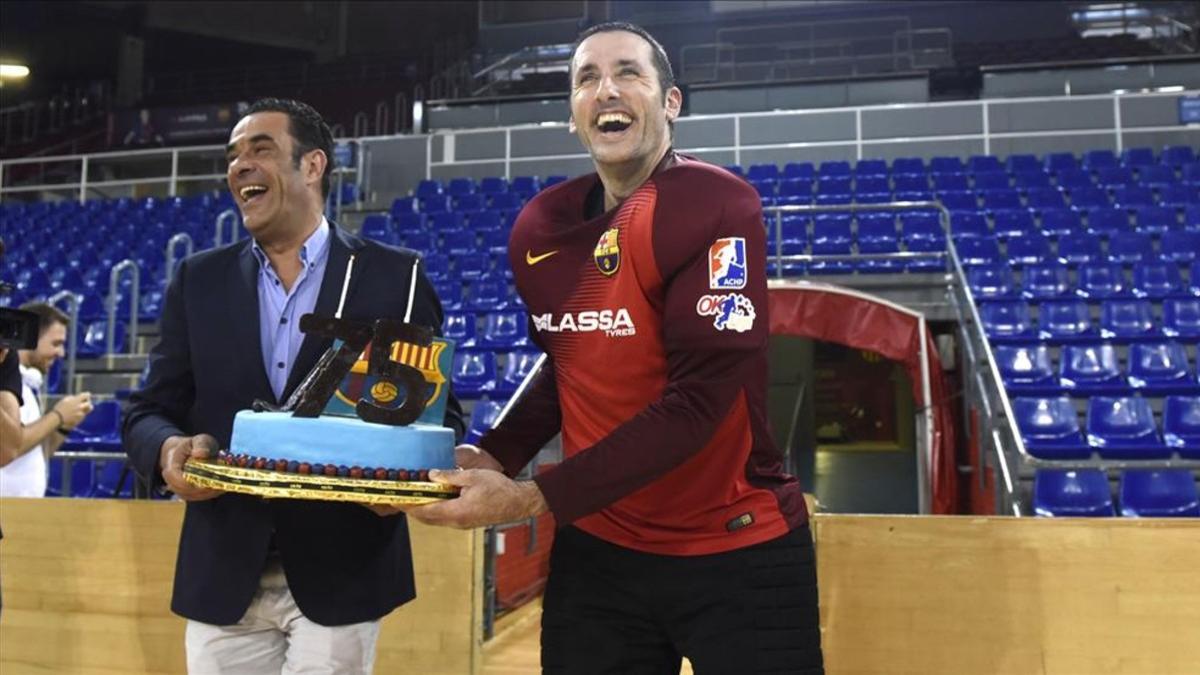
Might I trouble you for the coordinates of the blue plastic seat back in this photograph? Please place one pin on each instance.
(1045, 198)
(1010, 318)
(1097, 159)
(968, 224)
(504, 330)
(1088, 197)
(1123, 427)
(473, 373)
(1158, 365)
(1025, 364)
(978, 250)
(1181, 424)
(1091, 368)
(1023, 163)
(1130, 247)
(1156, 279)
(1156, 219)
(760, 172)
(473, 265)
(1140, 156)
(990, 281)
(1178, 155)
(991, 180)
(483, 417)
(909, 165)
(1050, 427)
(834, 168)
(982, 163)
(1013, 222)
(1100, 280)
(1107, 221)
(517, 367)
(450, 293)
(804, 170)
(1046, 281)
(1061, 221)
(1028, 249)
(1127, 318)
(1180, 247)
(460, 327)
(1072, 493)
(1181, 317)
(1079, 249)
(1065, 320)
(493, 185)
(1156, 175)
(1159, 493)
(1133, 196)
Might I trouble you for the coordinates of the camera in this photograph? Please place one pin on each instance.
(18, 329)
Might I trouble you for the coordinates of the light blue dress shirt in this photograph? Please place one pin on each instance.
(279, 311)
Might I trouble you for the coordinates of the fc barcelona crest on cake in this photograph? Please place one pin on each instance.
(608, 252)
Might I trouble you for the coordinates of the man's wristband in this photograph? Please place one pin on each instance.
(62, 423)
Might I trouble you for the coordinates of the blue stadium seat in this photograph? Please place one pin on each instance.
(525, 186)
(1156, 219)
(968, 224)
(473, 265)
(804, 170)
(1181, 425)
(420, 241)
(486, 294)
(1087, 369)
(1156, 280)
(1127, 319)
(93, 343)
(441, 222)
(984, 163)
(872, 185)
(495, 241)
(1045, 198)
(469, 203)
(1061, 221)
(1000, 199)
(517, 367)
(990, 180)
(1177, 155)
(1072, 493)
(100, 431)
(459, 241)
(1100, 280)
(408, 221)
(493, 185)
(506, 200)
(114, 480)
(1191, 174)
(1194, 285)
(378, 227)
(1159, 493)
(1050, 428)
(1046, 281)
(1007, 320)
(952, 164)
(833, 185)
(484, 221)
(437, 267)
(877, 229)
(1022, 163)
(1178, 196)
(1024, 180)
(950, 181)
(766, 190)
(428, 188)
(450, 293)
(1114, 177)
(1066, 321)
(795, 191)
(460, 186)
(1074, 179)
(1156, 175)
(1026, 369)
(1079, 249)
(1191, 218)
(1133, 197)
(1013, 222)
(1181, 317)
(978, 250)
(760, 172)
(990, 282)
(504, 331)
(1122, 427)
(1158, 368)
(834, 168)
(1131, 247)
(483, 417)
(831, 234)
(919, 230)
(1084, 198)
(83, 477)
(460, 327)
(958, 200)
(736, 169)
(910, 182)
(910, 165)
(1106, 221)
(1096, 159)
(1029, 249)
(1137, 156)
(473, 374)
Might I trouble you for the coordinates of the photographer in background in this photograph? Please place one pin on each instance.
(23, 470)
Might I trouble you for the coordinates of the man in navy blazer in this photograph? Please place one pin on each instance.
(272, 585)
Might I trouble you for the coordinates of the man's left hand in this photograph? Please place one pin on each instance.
(487, 498)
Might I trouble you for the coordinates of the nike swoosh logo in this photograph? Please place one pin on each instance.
(532, 259)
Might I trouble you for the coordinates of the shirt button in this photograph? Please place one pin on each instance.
(283, 319)
(276, 282)
(279, 365)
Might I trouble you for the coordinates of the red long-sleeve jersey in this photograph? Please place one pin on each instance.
(653, 316)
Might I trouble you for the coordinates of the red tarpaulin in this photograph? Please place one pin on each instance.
(861, 321)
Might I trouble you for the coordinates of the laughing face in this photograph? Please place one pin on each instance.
(618, 107)
(271, 191)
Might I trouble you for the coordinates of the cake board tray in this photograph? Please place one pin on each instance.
(274, 484)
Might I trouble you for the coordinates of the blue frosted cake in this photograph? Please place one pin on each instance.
(339, 443)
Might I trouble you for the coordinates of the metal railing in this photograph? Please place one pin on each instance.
(110, 330)
(170, 255)
(73, 301)
(229, 216)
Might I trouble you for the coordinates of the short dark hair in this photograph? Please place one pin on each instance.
(662, 65)
(308, 129)
(48, 315)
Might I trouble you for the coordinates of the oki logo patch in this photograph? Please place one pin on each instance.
(733, 311)
(727, 264)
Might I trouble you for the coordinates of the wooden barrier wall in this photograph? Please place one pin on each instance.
(965, 596)
(86, 587)
(87, 584)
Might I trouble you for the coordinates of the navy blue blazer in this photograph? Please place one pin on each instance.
(344, 564)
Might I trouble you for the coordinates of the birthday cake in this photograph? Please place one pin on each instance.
(365, 425)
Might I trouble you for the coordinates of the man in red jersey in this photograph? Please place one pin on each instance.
(646, 287)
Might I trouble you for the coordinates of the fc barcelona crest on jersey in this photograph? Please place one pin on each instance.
(608, 252)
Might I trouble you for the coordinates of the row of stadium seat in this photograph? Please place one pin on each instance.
(1121, 320)
(1155, 176)
(1178, 196)
(1174, 156)
(1085, 369)
(1094, 281)
(479, 374)
(1144, 493)
(1117, 428)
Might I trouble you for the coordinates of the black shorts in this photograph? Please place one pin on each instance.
(612, 610)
